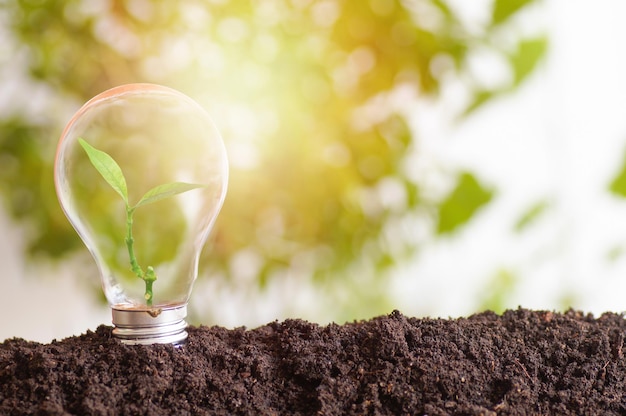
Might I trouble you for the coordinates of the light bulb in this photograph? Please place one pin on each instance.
(141, 173)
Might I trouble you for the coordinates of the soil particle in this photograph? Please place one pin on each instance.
(519, 363)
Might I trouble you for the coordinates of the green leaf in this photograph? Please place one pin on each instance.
(503, 9)
(531, 215)
(618, 184)
(108, 168)
(480, 98)
(462, 203)
(529, 53)
(522, 62)
(165, 191)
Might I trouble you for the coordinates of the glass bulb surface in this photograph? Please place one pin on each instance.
(141, 173)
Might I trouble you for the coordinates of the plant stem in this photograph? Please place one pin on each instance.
(148, 276)
(134, 265)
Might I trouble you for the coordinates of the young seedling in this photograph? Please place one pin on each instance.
(112, 174)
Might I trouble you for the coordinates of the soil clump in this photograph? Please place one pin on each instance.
(522, 362)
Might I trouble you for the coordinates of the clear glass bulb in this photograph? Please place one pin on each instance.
(141, 173)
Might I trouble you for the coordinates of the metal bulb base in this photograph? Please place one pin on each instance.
(145, 326)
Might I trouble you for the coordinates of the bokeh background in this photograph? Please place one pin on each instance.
(440, 157)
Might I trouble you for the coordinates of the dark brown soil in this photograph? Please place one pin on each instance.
(521, 363)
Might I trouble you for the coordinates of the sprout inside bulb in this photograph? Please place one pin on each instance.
(141, 173)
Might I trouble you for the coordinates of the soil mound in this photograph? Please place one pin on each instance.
(519, 363)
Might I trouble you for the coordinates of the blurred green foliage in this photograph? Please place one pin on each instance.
(301, 92)
(618, 184)
(505, 9)
(498, 291)
(531, 215)
(467, 197)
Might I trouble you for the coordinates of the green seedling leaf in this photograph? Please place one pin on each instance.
(112, 173)
(108, 168)
(165, 191)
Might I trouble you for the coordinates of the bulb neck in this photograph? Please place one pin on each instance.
(145, 326)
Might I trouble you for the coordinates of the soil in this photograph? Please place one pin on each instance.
(519, 363)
